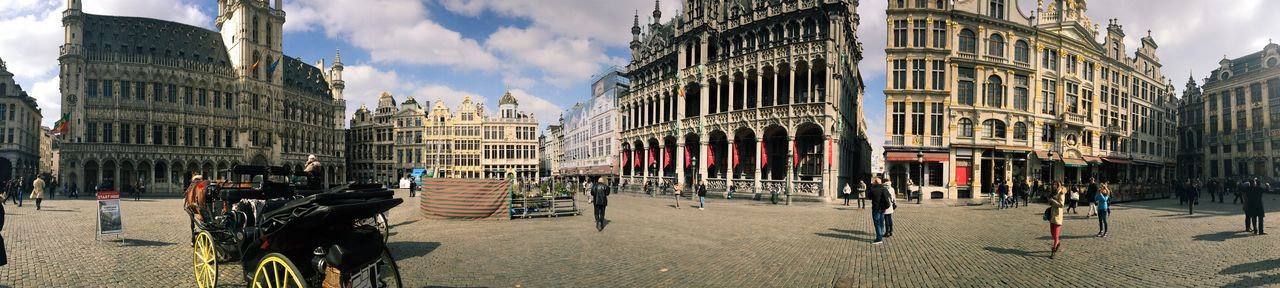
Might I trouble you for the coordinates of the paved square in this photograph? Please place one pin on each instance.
(731, 244)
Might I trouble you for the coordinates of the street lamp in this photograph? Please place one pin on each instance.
(920, 189)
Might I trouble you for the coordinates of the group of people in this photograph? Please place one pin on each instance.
(1060, 200)
(1008, 197)
(883, 203)
(1247, 192)
(16, 189)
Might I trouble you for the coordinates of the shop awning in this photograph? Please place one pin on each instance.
(1074, 162)
(911, 156)
(1044, 155)
(1092, 160)
(1115, 160)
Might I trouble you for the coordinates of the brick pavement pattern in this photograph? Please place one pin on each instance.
(649, 243)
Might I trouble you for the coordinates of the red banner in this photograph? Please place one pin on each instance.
(737, 157)
(711, 156)
(795, 153)
(764, 156)
(652, 150)
(688, 156)
(829, 153)
(666, 156)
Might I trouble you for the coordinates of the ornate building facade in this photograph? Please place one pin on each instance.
(370, 140)
(760, 96)
(1242, 104)
(552, 150)
(979, 93)
(21, 137)
(591, 130)
(152, 102)
(1191, 135)
(466, 143)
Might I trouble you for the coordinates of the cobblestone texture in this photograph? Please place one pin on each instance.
(731, 244)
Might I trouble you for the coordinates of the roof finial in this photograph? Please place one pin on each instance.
(337, 56)
(657, 13)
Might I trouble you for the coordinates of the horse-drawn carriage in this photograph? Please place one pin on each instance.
(290, 235)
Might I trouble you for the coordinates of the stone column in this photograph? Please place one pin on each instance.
(733, 85)
(791, 165)
(759, 155)
(829, 183)
(759, 88)
(660, 158)
(679, 161)
(791, 86)
(702, 152)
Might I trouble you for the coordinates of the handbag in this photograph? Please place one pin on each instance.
(1046, 213)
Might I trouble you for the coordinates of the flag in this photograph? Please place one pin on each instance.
(61, 126)
(688, 156)
(666, 156)
(624, 158)
(652, 150)
(737, 157)
(271, 69)
(254, 67)
(795, 153)
(764, 155)
(681, 91)
(636, 155)
(829, 153)
(711, 156)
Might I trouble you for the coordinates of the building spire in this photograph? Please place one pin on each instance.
(657, 13)
(337, 57)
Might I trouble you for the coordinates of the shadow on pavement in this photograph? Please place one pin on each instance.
(1064, 237)
(1221, 236)
(844, 236)
(410, 249)
(854, 232)
(57, 210)
(404, 223)
(145, 243)
(1252, 267)
(1260, 281)
(1016, 252)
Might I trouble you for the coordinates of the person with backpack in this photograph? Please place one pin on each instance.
(1103, 201)
(600, 200)
(1053, 214)
(879, 196)
(888, 215)
(702, 195)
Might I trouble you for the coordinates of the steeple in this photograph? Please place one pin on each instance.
(635, 35)
(657, 13)
(335, 75)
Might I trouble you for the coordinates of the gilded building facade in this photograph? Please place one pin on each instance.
(1242, 107)
(466, 143)
(152, 102)
(21, 137)
(758, 96)
(978, 93)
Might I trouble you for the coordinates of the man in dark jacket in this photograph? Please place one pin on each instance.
(600, 199)
(879, 197)
(1253, 211)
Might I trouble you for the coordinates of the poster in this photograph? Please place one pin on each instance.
(109, 213)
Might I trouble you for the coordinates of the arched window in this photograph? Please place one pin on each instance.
(968, 42)
(995, 128)
(255, 29)
(994, 92)
(966, 127)
(995, 46)
(1019, 131)
(1021, 52)
(996, 9)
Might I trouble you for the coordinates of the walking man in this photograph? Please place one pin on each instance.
(879, 197)
(702, 195)
(678, 190)
(1233, 184)
(1253, 209)
(847, 192)
(18, 188)
(862, 194)
(1189, 190)
(37, 191)
(1003, 190)
(600, 199)
(413, 188)
(1090, 195)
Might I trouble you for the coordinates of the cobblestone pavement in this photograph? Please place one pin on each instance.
(649, 243)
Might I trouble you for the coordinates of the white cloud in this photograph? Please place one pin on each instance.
(48, 98)
(546, 112)
(398, 32)
(564, 61)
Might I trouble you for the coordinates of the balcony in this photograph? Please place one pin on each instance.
(1117, 130)
(967, 56)
(895, 140)
(1075, 119)
(935, 141)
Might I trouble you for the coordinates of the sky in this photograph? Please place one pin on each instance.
(545, 52)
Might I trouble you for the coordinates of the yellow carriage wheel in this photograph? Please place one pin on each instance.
(206, 261)
(276, 271)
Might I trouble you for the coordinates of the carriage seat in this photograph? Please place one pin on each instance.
(356, 249)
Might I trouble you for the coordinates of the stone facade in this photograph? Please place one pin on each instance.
(757, 96)
(370, 140)
(1242, 108)
(20, 133)
(467, 143)
(591, 130)
(1191, 148)
(979, 93)
(152, 102)
(552, 150)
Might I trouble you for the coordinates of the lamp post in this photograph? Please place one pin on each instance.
(920, 189)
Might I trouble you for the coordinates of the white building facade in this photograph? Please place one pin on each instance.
(591, 130)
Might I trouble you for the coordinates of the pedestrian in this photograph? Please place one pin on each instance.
(1090, 195)
(888, 215)
(1235, 190)
(847, 193)
(678, 191)
(1026, 191)
(37, 191)
(1253, 208)
(1003, 191)
(313, 170)
(1103, 202)
(49, 188)
(18, 189)
(1073, 200)
(648, 188)
(1190, 190)
(879, 196)
(862, 194)
(730, 194)
(413, 188)
(600, 199)
(1054, 215)
(702, 195)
